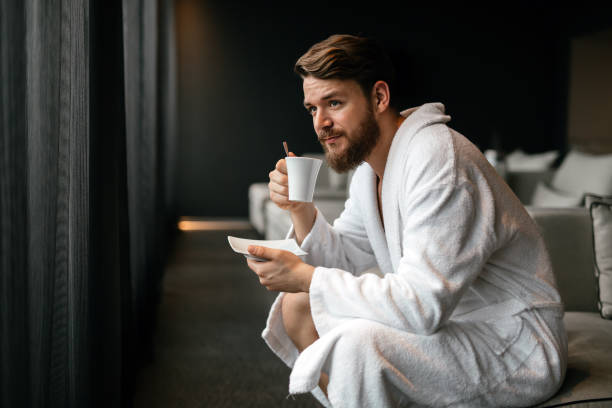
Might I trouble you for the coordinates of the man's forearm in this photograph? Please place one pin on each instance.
(303, 220)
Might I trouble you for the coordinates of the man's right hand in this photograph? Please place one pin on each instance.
(302, 213)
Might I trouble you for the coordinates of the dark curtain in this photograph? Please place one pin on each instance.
(86, 207)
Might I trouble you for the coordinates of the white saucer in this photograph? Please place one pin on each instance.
(240, 246)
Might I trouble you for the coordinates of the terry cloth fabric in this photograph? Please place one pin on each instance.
(466, 312)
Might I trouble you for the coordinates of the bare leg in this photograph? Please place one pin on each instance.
(299, 325)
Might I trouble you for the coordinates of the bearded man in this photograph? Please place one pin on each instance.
(465, 310)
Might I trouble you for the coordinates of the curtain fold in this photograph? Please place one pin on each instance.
(140, 34)
(84, 213)
(13, 203)
(111, 338)
(167, 111)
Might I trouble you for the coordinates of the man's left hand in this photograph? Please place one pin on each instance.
(283, 271)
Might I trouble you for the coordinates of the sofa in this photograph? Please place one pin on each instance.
(578, 174)
(569, 236)
(579, 240)
(530, 176)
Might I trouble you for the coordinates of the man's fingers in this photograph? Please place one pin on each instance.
(279, 189)
(279, 199)
(279, 178)
(281, 166)
(291, 154)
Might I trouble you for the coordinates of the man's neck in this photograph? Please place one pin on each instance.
(389, 123)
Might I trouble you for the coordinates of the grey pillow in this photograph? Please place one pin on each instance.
(547, 196)
(601, 215)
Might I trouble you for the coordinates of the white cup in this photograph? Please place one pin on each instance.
(302, 172)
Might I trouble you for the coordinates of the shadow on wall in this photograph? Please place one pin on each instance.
(590, 93)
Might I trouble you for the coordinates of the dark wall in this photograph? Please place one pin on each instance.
(502, 74)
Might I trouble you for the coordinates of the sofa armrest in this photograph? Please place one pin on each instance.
(568, 234)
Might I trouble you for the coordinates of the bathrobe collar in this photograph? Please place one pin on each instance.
(387, 240)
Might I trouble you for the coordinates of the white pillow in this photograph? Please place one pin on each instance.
(546, 196)
(582, 173)
(521, 161)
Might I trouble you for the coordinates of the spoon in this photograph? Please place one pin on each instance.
(286, 148)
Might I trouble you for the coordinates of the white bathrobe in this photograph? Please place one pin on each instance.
(465, 311)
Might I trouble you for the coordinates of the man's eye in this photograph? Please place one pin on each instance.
(311, 110)
(334, 104)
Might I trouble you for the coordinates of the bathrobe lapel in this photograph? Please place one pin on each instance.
(373, 223)
(391, 188)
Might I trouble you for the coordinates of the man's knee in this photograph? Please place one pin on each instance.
(297, 319)
(296, 304)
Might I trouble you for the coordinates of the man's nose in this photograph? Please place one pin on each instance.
(322, 121)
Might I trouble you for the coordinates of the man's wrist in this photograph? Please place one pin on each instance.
(307, 272)
(306, 210)
(303, 222)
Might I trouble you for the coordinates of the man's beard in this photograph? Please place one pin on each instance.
(360, 145)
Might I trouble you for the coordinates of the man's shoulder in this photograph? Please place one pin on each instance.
(429, 145)
(437, 155)
(436, 143)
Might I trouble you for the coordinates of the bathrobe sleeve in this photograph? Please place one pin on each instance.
(344, 246)
(445, 239)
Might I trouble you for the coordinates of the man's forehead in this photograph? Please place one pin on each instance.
(315, 88)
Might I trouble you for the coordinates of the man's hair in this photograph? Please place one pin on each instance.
(344, 56)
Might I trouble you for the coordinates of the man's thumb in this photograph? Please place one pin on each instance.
(291, 154)
(256, 250)
(262, 252)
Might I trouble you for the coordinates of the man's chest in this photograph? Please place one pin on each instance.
(379, 197)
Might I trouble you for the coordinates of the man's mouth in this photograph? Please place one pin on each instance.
(330, 139)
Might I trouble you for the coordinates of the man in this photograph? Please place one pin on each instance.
(465, 311)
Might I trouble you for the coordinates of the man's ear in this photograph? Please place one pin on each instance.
(381, 96)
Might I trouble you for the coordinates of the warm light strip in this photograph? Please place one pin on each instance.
(192, 225)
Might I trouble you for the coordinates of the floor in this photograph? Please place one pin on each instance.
(208, 350)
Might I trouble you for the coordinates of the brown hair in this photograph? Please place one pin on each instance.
(344, 56)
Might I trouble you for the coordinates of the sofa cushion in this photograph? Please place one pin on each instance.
(323, 181)
(258, 196)
(337, 180)
(329, 181)
(568, 235)
(589, 374)
(600, 209)
(278, 221)
(523, 183)
(547, 196)
(582, 173)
